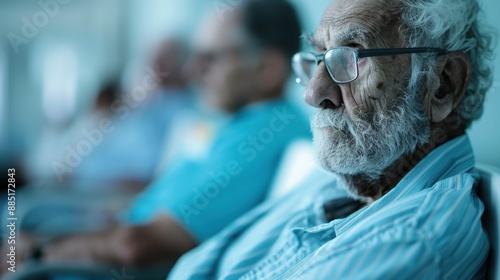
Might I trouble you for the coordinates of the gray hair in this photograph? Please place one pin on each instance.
(455, 26)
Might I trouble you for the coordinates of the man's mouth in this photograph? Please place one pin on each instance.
(324, 121)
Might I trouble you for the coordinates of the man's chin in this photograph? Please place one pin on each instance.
(333, 159)
(337, 154)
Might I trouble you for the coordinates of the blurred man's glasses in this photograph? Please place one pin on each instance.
(342, 62)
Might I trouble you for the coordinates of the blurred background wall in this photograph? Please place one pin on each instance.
(73, 46)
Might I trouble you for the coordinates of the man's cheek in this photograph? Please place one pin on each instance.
(240, 81)
(367, 81)
(232, 84)
(214, 78)
(222, 79)
(364, 70)
(364, 95)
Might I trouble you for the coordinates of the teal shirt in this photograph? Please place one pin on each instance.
(427, 227)
(206, 195)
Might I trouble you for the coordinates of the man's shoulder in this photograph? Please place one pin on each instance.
(443, 204)
(447, 216)
(450, 206)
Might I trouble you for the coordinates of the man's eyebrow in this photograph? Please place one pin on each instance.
(354, 33)
(311, 40)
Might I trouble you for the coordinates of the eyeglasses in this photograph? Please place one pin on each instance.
(342, 62)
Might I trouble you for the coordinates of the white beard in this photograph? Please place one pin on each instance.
(369, 144)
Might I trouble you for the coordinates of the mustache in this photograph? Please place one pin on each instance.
(356, 129)
(340, 120)
(328, 118)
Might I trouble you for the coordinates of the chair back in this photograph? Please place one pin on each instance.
(489, 192)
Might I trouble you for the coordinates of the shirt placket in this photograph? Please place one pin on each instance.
(301, 243)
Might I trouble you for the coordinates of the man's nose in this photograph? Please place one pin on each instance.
(322, 91)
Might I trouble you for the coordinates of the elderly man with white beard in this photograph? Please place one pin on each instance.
(396, 83)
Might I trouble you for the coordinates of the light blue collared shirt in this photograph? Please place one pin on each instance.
(205, 195)
(427, 227)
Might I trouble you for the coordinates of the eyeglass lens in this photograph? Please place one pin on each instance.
(340, 62)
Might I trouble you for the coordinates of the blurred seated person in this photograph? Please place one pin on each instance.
(59, 136)
(242, 65)
(126, 152)
(129, 155)
(394, 96)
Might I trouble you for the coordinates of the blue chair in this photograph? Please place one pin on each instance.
(489, 192)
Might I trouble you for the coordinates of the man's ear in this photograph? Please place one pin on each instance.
(454, 73)
(273, 70)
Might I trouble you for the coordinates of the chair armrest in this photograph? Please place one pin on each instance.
(44, 211)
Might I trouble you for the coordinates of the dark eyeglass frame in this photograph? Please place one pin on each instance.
(362, 53)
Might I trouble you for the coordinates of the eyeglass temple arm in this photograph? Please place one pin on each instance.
(396, 51)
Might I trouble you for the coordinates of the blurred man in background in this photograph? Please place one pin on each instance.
(242, 65)
(57, 137)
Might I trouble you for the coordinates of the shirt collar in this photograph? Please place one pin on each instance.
(452, 158)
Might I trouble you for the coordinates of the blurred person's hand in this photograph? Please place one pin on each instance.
(123, 245)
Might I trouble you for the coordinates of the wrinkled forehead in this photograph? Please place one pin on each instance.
(373, 23)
